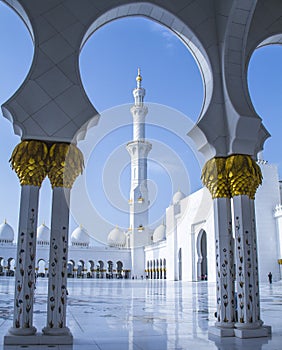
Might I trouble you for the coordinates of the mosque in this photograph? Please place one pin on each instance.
(181, 248)
(229, 232)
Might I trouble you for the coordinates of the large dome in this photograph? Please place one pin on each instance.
(80, 237)
(159, 233)
(177, 197)
(6, 233)
(43, 234)
(116, 238)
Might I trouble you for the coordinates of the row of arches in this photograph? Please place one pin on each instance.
(7, 267)
(98, 269)
(79, 269)
(156, 269)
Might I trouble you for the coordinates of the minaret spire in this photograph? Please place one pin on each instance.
(138, 149)
(139, 78)
(139, 92)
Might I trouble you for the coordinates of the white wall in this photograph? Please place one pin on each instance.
(267, 197)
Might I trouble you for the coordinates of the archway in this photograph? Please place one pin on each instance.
(80, 268)
(110, 269)
(180, 264)
(70, 268)
(264, 83)
(93, 54)
(202, 266)
(164, 268)
(119, 269)
(11, 267)
(41, 265)
(90, 269)
(100, 269)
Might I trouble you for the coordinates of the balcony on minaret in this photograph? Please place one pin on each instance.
(140, 228)
(140, 200)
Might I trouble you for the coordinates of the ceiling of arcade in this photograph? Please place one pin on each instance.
(52, 105)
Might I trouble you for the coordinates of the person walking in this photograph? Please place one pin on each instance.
(270, 277)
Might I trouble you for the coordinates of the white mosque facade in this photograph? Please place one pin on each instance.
(182, 248)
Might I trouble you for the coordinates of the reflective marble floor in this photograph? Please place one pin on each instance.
(143, 315)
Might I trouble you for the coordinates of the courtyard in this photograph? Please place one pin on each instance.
(143, 315)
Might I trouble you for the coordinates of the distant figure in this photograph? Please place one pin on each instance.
(270, 277)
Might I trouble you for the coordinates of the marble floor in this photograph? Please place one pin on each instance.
(143, 315)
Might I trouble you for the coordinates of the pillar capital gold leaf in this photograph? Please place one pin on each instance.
(244, 175)
(65, 164)
(30, 161)
(214, 177)
(232, 176)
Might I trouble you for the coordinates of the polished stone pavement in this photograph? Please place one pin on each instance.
(143, 315)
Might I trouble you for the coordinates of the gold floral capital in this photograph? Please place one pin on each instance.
(65, 164)
(214, 177)
(29, 160)
(244, 175)
(232, 176)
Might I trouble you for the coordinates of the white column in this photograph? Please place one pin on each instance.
(225, 286)
(25, 262)
(57, 286)
(249, 323)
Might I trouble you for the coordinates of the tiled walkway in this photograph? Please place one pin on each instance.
(143, 315)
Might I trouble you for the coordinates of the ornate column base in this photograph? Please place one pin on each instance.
(252, 330)
(56, 331)
(22, 331)
(39, 339)
(222, 331)
(243, 333)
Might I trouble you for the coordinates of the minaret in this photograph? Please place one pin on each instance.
(139, 202)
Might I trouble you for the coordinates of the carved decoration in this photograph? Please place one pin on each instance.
(214, 177)
(66, 163)
(232, 176)
(30, 161)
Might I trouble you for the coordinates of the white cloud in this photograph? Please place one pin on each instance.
(168, 36)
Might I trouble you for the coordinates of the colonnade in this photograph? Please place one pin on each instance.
(62, 163)
(156, 269)
(232, 182)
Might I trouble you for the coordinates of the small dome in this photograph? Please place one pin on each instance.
(80, 237)
(116, 238)
(159, 233)
(43, 234)
(6, 233)
(177, 197)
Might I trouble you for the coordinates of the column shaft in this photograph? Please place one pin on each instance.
(224, 263)
(25, 262)
(246, 263)
(57, 284)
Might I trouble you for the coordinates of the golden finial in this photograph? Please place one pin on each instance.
(139, 77)
(5, 221)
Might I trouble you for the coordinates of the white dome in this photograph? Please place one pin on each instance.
(43, 234)
(6, 232)
(80, 237)
(116, 238)
(159, 233)
(177, 197)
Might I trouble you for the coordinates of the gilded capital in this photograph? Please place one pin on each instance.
(244, 175)
(65, 164)
(214, 177)
(233, 176)
(30, 161)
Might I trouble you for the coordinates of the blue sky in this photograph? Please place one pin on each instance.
(174, 94)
